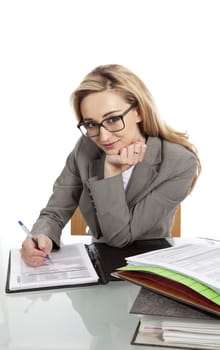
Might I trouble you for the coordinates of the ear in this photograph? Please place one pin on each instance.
(138, 115)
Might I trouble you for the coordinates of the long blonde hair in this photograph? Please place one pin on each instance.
(134, 91)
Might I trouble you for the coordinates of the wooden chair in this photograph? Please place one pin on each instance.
(78, 224)
(176, 230)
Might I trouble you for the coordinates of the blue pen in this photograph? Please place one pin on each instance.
(29, 235)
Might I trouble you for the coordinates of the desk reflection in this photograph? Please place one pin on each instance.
(80, 318)
(104, 311)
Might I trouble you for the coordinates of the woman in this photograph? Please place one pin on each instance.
(128, 172)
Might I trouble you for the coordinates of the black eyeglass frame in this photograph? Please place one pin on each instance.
(99, 125)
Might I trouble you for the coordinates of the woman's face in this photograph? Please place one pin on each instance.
(97, 107)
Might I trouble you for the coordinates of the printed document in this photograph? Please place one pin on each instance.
(71, 265)
(199, 261)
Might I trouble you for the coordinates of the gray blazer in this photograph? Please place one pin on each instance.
(145, 210)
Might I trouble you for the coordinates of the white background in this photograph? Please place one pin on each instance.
(48, 46)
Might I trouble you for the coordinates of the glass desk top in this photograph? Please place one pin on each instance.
(80, 318)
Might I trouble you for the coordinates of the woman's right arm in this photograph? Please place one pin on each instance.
(35, 252)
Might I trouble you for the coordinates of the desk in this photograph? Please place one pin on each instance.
(80, 318)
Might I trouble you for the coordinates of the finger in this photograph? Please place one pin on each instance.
(35, 262)
(139, 151)
(143, 150)
(130, 155)
(133, 154)
(45, 244)
(29, 249)
(28, 244)
(114, 159)
(137, 148)
(31, 259)
(123, 155)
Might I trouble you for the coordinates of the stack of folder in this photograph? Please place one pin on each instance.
(179, 302)
(165, 322)
(188, 273)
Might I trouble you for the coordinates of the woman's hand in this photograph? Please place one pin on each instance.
(128, 156)
(34, 252)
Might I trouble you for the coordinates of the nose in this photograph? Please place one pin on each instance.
(104, 134)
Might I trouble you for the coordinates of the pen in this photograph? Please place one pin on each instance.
(29, 235)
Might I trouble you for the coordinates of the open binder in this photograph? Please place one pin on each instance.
(74, 265)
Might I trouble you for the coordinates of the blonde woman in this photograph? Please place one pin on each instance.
(128, 171)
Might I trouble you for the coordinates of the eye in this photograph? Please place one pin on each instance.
(112, 120)
(90, 125)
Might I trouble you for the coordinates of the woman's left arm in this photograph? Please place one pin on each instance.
(150, 214)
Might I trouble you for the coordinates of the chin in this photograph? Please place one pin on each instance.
(111, 152)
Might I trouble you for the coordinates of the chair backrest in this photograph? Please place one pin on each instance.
(78, 224)
(176, 230)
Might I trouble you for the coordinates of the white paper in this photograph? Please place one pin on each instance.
(199, 261)
(68, 266)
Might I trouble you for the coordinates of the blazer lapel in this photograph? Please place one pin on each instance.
(96, 166)
(145, 172)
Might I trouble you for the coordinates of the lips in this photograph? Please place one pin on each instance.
(109, 146)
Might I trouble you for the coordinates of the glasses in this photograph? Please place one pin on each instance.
(112, 124)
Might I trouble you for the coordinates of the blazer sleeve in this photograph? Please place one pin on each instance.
(151, 214)
(62, 203)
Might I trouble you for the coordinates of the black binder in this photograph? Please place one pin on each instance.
(105, 259)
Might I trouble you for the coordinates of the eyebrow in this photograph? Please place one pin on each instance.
(104, 115)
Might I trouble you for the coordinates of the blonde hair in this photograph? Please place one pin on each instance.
(134, 91)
